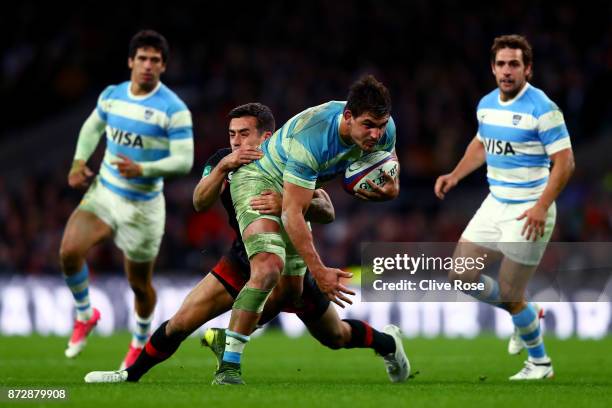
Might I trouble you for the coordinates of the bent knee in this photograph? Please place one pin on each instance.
(71, 255)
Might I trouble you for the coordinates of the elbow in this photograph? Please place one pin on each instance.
(571, 166)
(199, 202)
(329, 217)
(186, 167)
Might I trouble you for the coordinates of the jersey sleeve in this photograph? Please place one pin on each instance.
(552, 130)
(389, 137)
(304, 158)
(104, 101)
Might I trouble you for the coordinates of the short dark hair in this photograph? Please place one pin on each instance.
(149, 38)
(263, 114)
(513, 41)
(368, 95)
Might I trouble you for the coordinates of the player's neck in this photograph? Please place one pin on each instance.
(137, 89)
(509, 97)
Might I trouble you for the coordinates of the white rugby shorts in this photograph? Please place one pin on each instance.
(138, 226)
(495, 226)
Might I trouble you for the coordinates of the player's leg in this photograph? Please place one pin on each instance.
(323, 322)
(521, 259)
(266, 268)
(514, 278)
(479, 240)
(83, 230)
(206, 301)
(140, 279)
(471, 250)
(266, 250)
(140, 228)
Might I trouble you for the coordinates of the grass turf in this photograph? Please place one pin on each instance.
(283, 372)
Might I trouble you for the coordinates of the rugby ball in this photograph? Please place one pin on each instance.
(369, 167)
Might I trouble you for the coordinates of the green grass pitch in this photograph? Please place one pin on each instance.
(284, 372)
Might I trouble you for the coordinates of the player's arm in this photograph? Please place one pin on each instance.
(89, 137)
(473, 158)
(535, 217)
(212, 185)
(296, 200)
(321, 209)
(178, 162)
(180, 159)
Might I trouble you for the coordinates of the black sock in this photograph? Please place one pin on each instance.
(364, 336)
(158, 348)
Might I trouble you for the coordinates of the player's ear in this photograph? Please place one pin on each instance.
(267, 134)
(528, 71)
(347, 114)
(130, 63)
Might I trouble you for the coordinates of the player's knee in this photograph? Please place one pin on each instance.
(141, 288)
(70, 255)
(511, 295)
(266, 270)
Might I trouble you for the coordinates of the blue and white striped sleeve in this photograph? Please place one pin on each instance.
(552, 130)
(180, 135)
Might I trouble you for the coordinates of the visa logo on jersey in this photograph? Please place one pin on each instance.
(500, 147)
(126, 138)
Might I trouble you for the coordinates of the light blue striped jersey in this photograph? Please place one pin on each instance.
(519, 136)
(141, 128)
(308, 151)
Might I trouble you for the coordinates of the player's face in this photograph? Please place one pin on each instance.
(510, 72)
(147, 66)
(243, 132)
(365, 130)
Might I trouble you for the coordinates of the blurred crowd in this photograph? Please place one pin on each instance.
(433, 56)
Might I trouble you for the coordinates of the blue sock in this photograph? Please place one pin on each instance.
(234, 345)
(528, 325)
(490, 294)
(79, 286)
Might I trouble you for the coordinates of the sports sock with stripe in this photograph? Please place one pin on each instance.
(364, 336)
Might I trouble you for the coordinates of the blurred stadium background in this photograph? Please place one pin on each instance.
(433, 56)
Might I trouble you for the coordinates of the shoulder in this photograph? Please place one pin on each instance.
(540, 102)
(113, 91)
(489, 100)
(171, 100)
(318, 117)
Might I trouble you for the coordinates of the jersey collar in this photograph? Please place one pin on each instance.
(145, 96)
(517, 97)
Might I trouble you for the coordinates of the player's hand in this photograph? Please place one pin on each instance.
(237, 158)
(535, 222)
(328, 280)
(80, 175)
(268, 202)
(444, 184)
(387, 191)
(127, 167)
